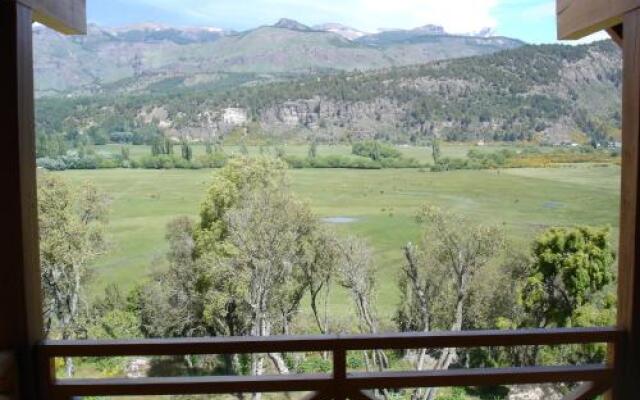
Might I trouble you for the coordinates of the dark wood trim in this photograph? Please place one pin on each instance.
(340, 384)
(580, 18)
(190, 385)
(20, 290)
(227, 345)
(617, 34)
(65, 16)
(480, 377)
(352, 383)
(339, 373)
(7, 374)
(627, 356)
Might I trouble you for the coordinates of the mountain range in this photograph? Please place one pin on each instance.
(148, 57)
(547, 93)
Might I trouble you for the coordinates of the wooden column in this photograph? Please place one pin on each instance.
(20, 291)
(627, 357)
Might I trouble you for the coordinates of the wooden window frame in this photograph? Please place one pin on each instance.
(21, 332)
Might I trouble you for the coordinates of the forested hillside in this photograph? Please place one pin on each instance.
(550, 93)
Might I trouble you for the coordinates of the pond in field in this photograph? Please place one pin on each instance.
(339, 220)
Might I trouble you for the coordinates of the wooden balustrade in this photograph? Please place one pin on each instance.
(340, 383)
(7, 374)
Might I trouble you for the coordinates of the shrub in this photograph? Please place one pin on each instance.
(375, 150)
(52, 164)
(214, 160)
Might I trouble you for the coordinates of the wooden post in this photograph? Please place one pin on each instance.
(339, 373)
(20, 290)
(627, 354)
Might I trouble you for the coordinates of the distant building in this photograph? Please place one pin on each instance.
(234, 116)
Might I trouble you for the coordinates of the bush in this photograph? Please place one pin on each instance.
(214, 160)
(375, 150)
(52, 164)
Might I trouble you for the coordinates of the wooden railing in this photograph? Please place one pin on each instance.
(340, 384)
(7, 375)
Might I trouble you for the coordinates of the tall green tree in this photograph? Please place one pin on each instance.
(435, 150)
(571, 268)
(438, 276)
(71, 236)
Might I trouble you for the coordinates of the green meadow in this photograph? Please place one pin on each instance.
(382, 204)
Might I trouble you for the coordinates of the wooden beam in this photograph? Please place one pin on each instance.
(478, 377)
(69, 388)
(627, 353)
(231, 345)
(580, 18)
(7, 374)
(617, 34)
(20, 289)
(65, 16)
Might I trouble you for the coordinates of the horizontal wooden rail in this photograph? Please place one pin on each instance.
(480, 377)
(307, 382)
(192, 385)
(340, 383)
(240, 345)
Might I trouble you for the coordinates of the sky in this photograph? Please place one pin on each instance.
(530, 20)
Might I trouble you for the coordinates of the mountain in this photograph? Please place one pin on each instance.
(547, 93)
(429, 33)
(430, 30)
(342, 30)
(156, 58)
(286, 23)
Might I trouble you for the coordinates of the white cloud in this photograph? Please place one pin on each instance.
(454, 15)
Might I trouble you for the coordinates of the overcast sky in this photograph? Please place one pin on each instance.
(530, 20)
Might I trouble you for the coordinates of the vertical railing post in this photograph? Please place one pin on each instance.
(47, 375)
(339, 372)
(20, 290)
(627, 353)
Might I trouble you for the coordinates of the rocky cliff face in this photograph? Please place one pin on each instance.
(552, 94)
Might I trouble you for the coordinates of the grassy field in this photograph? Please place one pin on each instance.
(383, 203)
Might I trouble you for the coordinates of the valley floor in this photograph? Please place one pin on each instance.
(378, 205)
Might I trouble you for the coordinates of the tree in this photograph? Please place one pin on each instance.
(437, 277)
(571, 266)
(71, 236)
(125, 153)
(267, 232)
(168, 146)
(313, 149)
(187, 152)
(226, 191)
(321, 258)
(435, 149)
(357, 274)
(173, 304)
(245, 267)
